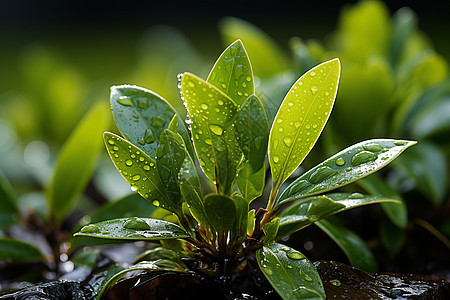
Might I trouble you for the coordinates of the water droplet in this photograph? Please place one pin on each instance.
(297, 124)
(335, 282)
(327, 94)
(224, 86)
(308, 278)
(220, 102)
(400, 143)
(268, 271)
(142, 103)
(141, 159)
(146, 168)
(314, 89)
(216, 129)
(340, 162)
(204, 106)
(136, 177)
(249, 78)
(129, 162)
(289, 266)
(155, 202)
(90, 229)
(312, 73)
(288, 141)
(363, 157)
(111, 142)
(290, 103)
(136, 224)
(296, 255)
(276, 159)
(191, 84)
(280, 129)
(279, 121)
(208, 141)
(355, 196)
(321, 174)
(373, 147)
(125, 101)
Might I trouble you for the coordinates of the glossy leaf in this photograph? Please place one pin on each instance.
(251, 222)
(221, 212)
(251, 183)
(353, 246)
(252, 131)
(212, 113)
(232, 73)
(157, 265)
(15, 250)
(301, 118)
(76, 162)
(267, 56)
(310, 210)
(397, 212)
(240, 221)
(349, 165)
(291, 274)
(405, 22)
(133, 228)
(9, 211)
(270, 230)
(141, 116)
(139, 170)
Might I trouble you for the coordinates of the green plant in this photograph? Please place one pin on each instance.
(231, 139)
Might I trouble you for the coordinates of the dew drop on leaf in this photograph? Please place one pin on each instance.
(288, 141)
(312, 73)
(129, 162)
(216, 129)
(111, 142)
(335, 282)
(321, 174)
(355, 196)
(136, 224)
(400, 143)
(276, 159)
(208, 141)
(155, 202)
(363, 157)
(373, 147)
(340, 162)
(136, 177)
(295, 255)
(90, 229)
(125, 101)
(204, 106)
(314, 89)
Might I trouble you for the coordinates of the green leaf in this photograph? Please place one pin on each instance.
(221, 212)
(139, 170)
(252, 131)
(405, 22)
(157, 265)
(251, 222)
(9, 211)
(301, 118)
(240, 222)
(349, 165)
(353, 246)
(76, 162)
(232, 73)
(141, 116)
(310, 210)
(270, 230)
(397, 212)
(392, 237)
(134, 228)
(212, 113)
(250, 183)
(291, 274)
(15, 250)
(87, 258)
(267, 56)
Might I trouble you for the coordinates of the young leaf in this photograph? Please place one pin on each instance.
(141, 229)
(270, 230)
(250, 182)
(141, 116)
(221, 212)
(232, 73)
(301, 118)
(212, 113)
(8, 205)
(252, 131)
(140, 171)
(240, 222)
(312, 209)
(15, 250)
(353, 246)
(251, 222)
(291, 274)
(349, 165)
(76, 162)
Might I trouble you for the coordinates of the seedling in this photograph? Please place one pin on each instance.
(230, 139)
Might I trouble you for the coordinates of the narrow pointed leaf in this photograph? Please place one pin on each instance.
(312, 209)
(232, 73)
(250, 182)
(291, 274)
(15, 250)
(134, 228)
(301, 118)
(141, 116)
(252, 131)
(212, 113)
(221, 212)
(349, 165)
(139, 170)
(76, 162)
(9, 212)
(251, 222)
(353, 246)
